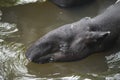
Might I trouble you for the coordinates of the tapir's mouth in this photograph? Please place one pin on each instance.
(42, 59)
(47, 58)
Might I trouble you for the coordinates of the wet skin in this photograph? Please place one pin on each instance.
(78, 40)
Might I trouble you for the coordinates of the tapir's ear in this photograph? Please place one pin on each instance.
(96, 36)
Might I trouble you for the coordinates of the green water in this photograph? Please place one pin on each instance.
(22, 25)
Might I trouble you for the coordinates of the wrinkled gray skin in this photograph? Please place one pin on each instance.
(78, 40)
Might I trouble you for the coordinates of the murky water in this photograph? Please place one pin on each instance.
(29, 22)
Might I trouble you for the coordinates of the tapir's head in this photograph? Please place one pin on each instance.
(59, 45)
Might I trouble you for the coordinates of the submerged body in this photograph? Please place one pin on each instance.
(71, 3)
(78, 40)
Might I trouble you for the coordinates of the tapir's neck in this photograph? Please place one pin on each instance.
(109, 20)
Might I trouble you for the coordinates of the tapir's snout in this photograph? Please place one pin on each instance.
(39, 52)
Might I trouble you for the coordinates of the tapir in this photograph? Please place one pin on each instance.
(76, 41)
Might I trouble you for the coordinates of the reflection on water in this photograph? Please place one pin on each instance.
(29, 22)
(8, 3)
(28, 1)
(6, 29)
(113, 62)
(11, 60)
(113, 59)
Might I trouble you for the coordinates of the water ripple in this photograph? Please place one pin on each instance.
(12, 60)
(7, 29)
(113, 60)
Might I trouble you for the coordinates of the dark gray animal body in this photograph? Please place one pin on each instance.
(78, 40)
(70, 3)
